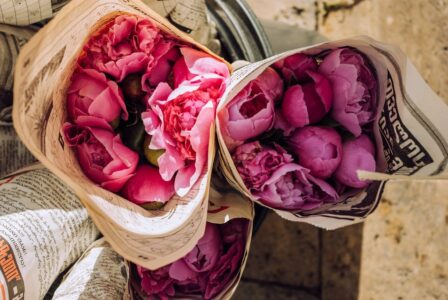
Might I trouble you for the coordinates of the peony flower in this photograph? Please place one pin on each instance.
(308, 103)
(357, 154)
(234, 237)
(133, 63)
(180, 120)
(251, 112)
(101, 155)
(181, 127)
(295, 67)
(147, 35)
(354, 88)
(206, 253)
(117, 42)
(157, 283)
(205, 271)
(198, 70)
(91, 94)
(318, 149)
(148, 186)
(292, 187)
(256, 163)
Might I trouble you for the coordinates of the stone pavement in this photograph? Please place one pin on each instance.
(401, 251)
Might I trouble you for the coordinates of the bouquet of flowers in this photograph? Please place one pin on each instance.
(297, 130)
(141, 105)
(122, 109)
(206, 272)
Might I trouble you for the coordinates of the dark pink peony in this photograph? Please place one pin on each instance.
(292, 187)
(90, 95)
(354, 88)
(148, 186)
(318, 149)
(357, 154)
(101, 155)
(256, 163)
(308, 103)
(205, 271)
(295, 67)
(157, 284)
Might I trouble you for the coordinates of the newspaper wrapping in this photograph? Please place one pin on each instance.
(42, 232)
(148, 238)
(410, 131)
(11, 40)
(225, 204)
(100, 273)
(188, 15)
(13, 153)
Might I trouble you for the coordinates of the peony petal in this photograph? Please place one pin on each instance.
(294, 108)
(181, 272)
(147, 186)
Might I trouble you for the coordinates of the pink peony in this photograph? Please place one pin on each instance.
(354, 88)
(295, 67)
(180, 120)
(251, 112)
(308, 103)
(198, 70)
(147, 186)
(292, 187)
(318, 149)
(256, 163)
(91, 95)
(357, 154)
(101, 155)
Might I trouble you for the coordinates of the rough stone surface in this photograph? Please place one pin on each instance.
(285, 252)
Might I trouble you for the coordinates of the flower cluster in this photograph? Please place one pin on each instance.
(300, 131)
(206, 270)
(140, 107)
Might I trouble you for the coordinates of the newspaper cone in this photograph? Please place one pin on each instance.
(42, 232)
(224, 206)
(44, 66)
(410, 131)
(100, 273)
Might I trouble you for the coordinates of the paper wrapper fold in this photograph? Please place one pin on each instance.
(43, 71)
(410, 131)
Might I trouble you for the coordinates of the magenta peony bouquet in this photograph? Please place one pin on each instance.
(141, 106)
(300, 131)
(205, 272)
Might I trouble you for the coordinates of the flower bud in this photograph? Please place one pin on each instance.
(318, 148)
(358, 154)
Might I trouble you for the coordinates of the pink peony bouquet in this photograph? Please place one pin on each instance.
(205, 272)
(141, 105)
(300, 131)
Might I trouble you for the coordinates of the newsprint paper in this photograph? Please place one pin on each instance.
(42, 232)
(100, 273)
